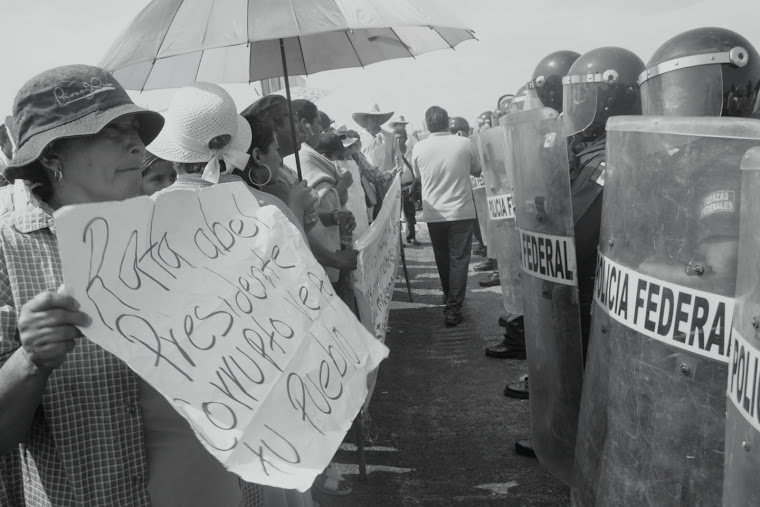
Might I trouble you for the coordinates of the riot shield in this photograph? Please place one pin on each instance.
(479, 192)
(503, 238)
(651, 427)
(549, 284)
(742, 459)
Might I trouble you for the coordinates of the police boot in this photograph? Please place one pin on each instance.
(487, 265)
(492, 281)
(525, 448)
(518, 389)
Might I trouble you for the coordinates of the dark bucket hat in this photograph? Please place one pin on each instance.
(70, 101)
(333, 142)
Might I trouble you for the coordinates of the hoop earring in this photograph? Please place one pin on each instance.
(58, 175)
(269, 178)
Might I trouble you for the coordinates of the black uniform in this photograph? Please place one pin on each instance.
(587, 183)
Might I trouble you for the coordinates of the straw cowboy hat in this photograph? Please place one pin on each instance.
(400, 121)
(373, 110)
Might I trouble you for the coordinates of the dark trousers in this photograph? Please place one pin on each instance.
(410, 209)
(452, 244)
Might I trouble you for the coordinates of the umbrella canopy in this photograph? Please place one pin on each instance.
(172, 43)
(300, 92)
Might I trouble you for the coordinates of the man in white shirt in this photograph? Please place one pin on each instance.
(378, 145)
(443, 164)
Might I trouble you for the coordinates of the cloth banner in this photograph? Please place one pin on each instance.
(219, 304)
(375, 275)
(378, 258)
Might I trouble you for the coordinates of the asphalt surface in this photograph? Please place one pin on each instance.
(445, 431)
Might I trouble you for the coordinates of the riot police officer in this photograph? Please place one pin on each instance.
(490, 264)
(670, 221)
(512, 345)
(485, 120)
(459, 126)
(600, 84)
(543, 90)
(518, 103)
(503, 104)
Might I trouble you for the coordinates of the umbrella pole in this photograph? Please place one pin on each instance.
(290, 107)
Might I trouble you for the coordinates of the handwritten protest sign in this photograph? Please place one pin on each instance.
(377, 264)
(219, 304)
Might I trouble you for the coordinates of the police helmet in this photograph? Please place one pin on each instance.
(600, 84)
(458, 124)
(518, 103)
(502, 105)
(546, 85)
(702, 72)
(485, 117)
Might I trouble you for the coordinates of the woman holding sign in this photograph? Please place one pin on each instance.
(332, 187)
(272, 111)
(76, 423)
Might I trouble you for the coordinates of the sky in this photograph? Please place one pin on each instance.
(512, 38)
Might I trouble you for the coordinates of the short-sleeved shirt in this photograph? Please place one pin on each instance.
(443, 162)
(86, 442)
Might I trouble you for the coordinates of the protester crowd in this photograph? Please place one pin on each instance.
(125, 441)
(106, 149)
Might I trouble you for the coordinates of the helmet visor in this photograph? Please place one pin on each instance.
(579, 105)
(517, 105)
(692, 91)
(532, 100)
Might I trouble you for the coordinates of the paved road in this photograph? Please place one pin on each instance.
(446, 431)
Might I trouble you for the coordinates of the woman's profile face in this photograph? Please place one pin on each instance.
(286, 143)
(103, 167)
(314, 132)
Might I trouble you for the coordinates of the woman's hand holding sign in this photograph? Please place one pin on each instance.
(47, 329)
(46, 325)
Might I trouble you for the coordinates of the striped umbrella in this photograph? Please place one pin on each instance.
(172, 43)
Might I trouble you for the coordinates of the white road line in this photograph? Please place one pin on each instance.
(376, 448)
(345, 469)
(499, 489)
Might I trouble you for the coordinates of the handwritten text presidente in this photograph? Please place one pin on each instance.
(222, 308)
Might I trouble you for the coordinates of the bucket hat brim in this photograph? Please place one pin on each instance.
(91, 124)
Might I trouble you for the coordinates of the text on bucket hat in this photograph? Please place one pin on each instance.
(198, 114)
(70, 101)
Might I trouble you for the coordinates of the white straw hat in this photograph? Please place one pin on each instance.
(373, 110)
(197, 114)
